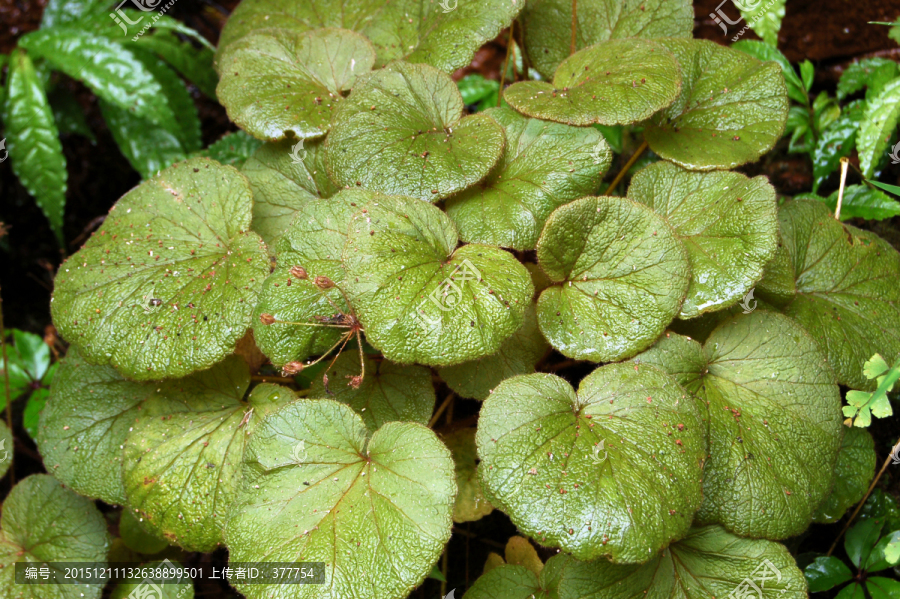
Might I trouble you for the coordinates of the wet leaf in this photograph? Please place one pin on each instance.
(284, 176)
(795, 87)
(611, 83)
(826, 573)
(726, 221)
(401, 132)
(471, 504)
(281, 82)
(194, 440)
(862, 201)
(389, 392)
(377, 510)
(442, 34)
(845, 296)
(867, 73)
(233, 148)
(616, 468)
(418, 299)
(60, 527)
(620, 276)
(771, 462)
(548, 26)
(732, 108)
(837, 141)
(545, 165)
(879, 124)
(517, 355)
(708, 562)
(854, 470)
(168, 283)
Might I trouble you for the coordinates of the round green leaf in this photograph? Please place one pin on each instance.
(847, 294)
(443, 34)
(471, 504)
(280, 82)
(45, 522)
(545, 165)
(615, 469)
(616, 82)
(732, 108)
(774, 421)
(389, 392)
(548, 26)
(620, 276)
(7, 446)
(167, 285)
(854, 470)
(376, 510)
(507, 582)
(136, 538)
(420, 301)
(517, 355)
(709, 562)
(726, 221)
(169, 587)
(400, 132)
(283, 180)
(194, 441)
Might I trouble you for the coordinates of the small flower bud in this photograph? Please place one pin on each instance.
(299, 272)
(266, 319)
(323, 282)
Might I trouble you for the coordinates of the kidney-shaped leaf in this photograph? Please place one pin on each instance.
(167, 285)
(377, 510)
(45, 522)
(854, 470)
(709, 562)
(732, 108)
(443, 34)
(183, 456)
(277, 82)
(847, 294)
(774, 421)
(727, 222)
(616, 82)
(545, 165)
(388, 393)
(620, 276)
(284, 177)
(613, 471)
(421, 301)
(548, 25)
(400, 132)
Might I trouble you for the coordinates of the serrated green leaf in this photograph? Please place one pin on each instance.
(517, 355)
(443, 35)
(7, 447)
(854, 470)
(29, 364)
(761, 50)
(732, 108)
(69, 12)
(611, 83)
(136, 537)
(708, 562)
(844, 298)
(45, 522)
(418, 299)
(616, 468)
(545, 165)
(771, 463)
(194, 64)
(388, 393)
(870, 72)
(837, 141)
(377, 510)
(826, 573)
(33, 141)
(862, 201)
(285, 176)
(233, 148)
(471, 504)
(880, 122)
(474, 88)
(548, 26)
(168, 283)
(875, 367)
(111, 71)
(620, 276)
(401, 132)
(280, 82)
(727, 222)
(765, 20)
(195, 440)
(147, 147)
